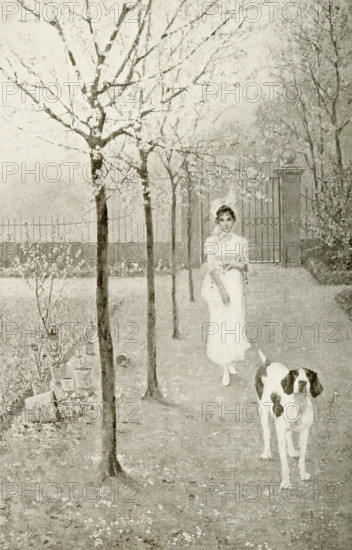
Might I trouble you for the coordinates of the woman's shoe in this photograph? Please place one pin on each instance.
(225, 377)
(232, 369)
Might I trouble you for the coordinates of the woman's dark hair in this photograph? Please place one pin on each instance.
(225, 210)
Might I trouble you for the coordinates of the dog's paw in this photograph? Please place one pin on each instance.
(266, 455)
(285, 485)
(293, 453)
(305, 476)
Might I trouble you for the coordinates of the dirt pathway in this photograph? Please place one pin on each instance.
(195, 481)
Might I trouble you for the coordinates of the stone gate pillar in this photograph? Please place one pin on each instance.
(290, 177)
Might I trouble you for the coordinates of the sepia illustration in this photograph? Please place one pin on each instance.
(175, 274)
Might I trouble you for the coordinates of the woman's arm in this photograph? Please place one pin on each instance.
(223, 292)
(214, 274)
(235, 264)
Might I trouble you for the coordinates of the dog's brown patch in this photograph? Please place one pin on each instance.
(277, 407)
(289, 380)
(259, 386)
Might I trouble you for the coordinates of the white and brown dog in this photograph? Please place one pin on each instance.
(284, 396)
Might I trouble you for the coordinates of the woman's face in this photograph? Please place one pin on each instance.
(226, 222)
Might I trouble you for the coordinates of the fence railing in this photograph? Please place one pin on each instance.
(123, 227)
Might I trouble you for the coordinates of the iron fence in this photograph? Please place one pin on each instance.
(123, 227)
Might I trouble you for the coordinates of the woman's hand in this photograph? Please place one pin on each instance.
(225, 297)
(222, 289)
(234, 264)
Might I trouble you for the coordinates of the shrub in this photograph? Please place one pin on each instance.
(344, 299)
(326, 275)
(126, 269)
(333, 209)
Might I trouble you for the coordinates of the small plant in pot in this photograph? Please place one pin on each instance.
(90, 348)
(39, 371)
(83, 375)
(55, 351)
(67, 384)
(91, 338)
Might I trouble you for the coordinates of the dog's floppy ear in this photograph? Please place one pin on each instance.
(288, 381)
(315, 386)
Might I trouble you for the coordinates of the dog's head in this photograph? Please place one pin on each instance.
(302, 381)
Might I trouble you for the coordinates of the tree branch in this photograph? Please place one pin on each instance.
(48, 111)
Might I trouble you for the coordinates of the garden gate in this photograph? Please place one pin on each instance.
(258, 220)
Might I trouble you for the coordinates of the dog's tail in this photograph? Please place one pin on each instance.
(265, 361)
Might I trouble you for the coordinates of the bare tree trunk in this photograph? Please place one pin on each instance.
(152, 382)
(339, 161)
(338, 149)
(189, 237)
(176, 331)
(314, 165)
(334, 107)
(321, 150)
(109, 464)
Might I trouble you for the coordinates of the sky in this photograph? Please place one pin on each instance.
(30, 143)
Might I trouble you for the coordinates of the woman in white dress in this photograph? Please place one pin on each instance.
(224, 290)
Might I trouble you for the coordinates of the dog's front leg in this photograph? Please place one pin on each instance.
(281, 439)
(265, 421)
(303, 440)
(291, 450)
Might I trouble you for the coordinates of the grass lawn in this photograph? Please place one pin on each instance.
(191, 481)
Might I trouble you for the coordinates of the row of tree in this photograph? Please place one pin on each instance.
(134, 95)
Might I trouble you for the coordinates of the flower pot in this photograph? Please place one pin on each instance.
(79, 352)
(40, 386)
(90, 348)
(41, 408)
(56, 374)
(67, 384)
(68, 368)
(84, 378)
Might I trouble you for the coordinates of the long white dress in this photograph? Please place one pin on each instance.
(226, 339)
